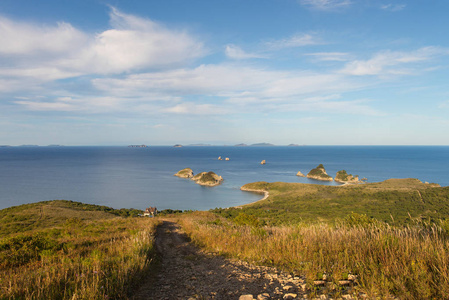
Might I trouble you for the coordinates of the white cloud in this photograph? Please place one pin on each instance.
(47, 106)
(329, 56)
(391, 63)
(226, 81)
(235, 52)
(297, 40)
(196, 109)
(325, 4)
(393, 7)
(47, 53)
(27, 39)
(136, 43)
(334, 106)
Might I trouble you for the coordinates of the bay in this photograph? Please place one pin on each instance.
(139, 177)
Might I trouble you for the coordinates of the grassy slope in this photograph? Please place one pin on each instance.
(63, 250)
(47, 214)
(390, 201)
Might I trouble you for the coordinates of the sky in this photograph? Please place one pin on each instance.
(307, 72)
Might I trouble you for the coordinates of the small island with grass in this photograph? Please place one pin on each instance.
(207, 178)
(185, 173)
(343, 177)
(319, 173)
(203, 178)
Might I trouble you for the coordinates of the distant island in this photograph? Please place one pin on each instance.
(203, 178)
(261, 145)
(343, 177)
(137, 146)
(177, 146)
(319, 173)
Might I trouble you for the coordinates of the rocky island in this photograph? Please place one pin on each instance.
(207, 178)
(319, 173)
(343, 177)
(185, 173)
(203, 178)
(300, 174)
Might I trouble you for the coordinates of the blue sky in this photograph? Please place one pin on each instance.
(315, 72)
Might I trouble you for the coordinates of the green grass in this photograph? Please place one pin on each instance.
(393, 201)
(70, 250)
(319, 172)
(46, 214)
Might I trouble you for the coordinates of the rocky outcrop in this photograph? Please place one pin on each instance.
(319, 173)
(300, 174)
(207, 178)
(203, 178)
(185, 173)
(343, 177)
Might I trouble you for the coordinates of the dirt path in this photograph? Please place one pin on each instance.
(188, 273)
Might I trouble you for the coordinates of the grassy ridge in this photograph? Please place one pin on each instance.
(70, 250)
(46, 214)
(392, 201)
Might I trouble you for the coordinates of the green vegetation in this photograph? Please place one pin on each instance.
(392, 237)
(46, 214)
(207, 178)
(319, 172)
(70, 250)
(185, 173)
(342, 176)
(395, 201)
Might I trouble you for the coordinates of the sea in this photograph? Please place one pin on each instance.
(132, 177)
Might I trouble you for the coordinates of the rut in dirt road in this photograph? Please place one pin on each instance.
(188, 273)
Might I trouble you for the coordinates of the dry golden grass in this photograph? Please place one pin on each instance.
(80, 260)
(406, 262)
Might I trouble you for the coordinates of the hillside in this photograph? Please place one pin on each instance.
(47, 214)
(391, 201)
(70, 250)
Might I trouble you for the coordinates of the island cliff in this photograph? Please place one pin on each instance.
(343, 177)
(319, 173)
(207, 178)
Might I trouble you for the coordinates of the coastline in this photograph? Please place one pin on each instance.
(265, 195)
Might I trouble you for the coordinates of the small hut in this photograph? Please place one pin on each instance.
(150, 212)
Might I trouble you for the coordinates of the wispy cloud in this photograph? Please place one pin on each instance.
(297, 40)
(20, 39)
(444, 104)
(235, 52)
(329, 56)
(393, 7)
(389, 62)
(325, 5)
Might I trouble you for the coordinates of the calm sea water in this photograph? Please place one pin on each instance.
(140, 177)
